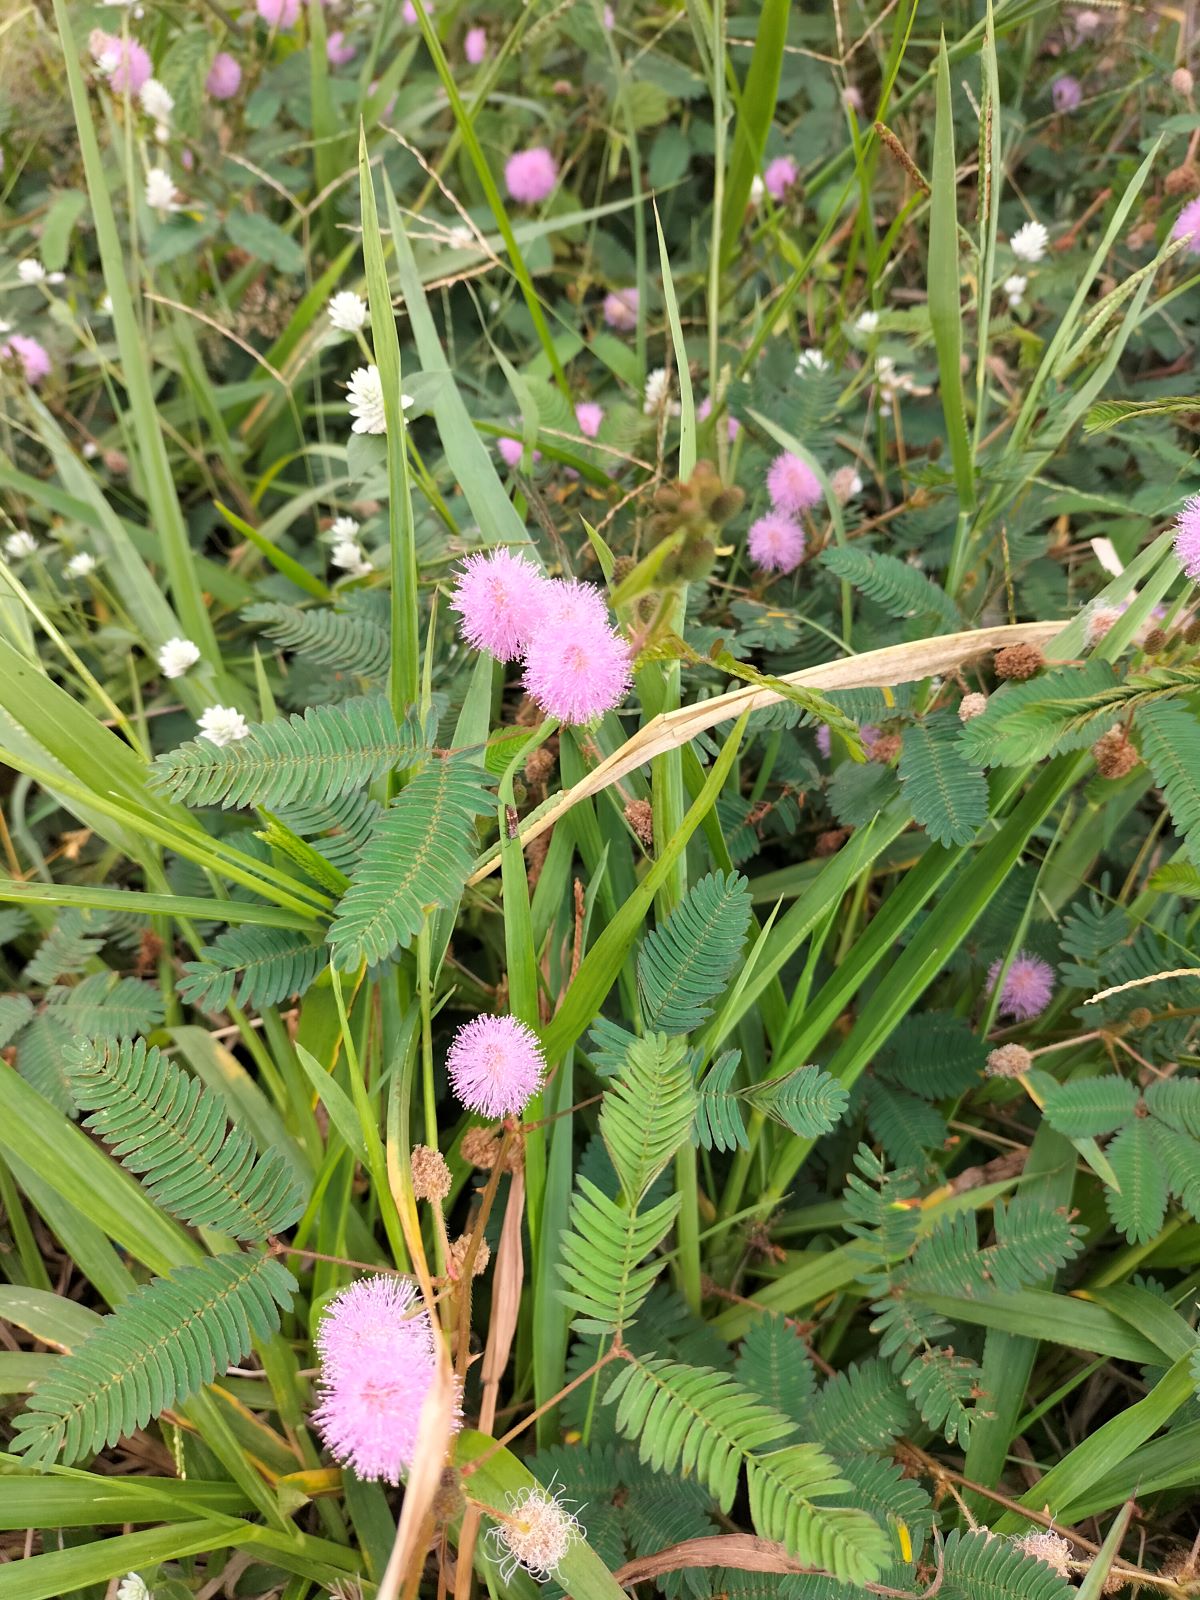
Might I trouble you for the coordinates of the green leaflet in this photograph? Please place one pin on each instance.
(349, 642)
(901, 590)
(647, 1113)
(261, 965)
(687, 961)
(949, 798)
(1169, 736)
(604, 1268)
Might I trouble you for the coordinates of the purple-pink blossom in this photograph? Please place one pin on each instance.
(378, 1360)
(574, 601)
(589, 415)
(124, 62)
(621, 310)
(224, 77)
(792, 484)
(500, 598)
(33, 357)
(337, 50)
(1066, 93)
(495, 1065)
(1187, 538)
(780, 176)
(1187, 226)
(278, 13)
(511, 451)
(1028, 986)
(824, 740)
(576, 669)
(776, 542)
(475, 45)
(531, 175)
(704, 410)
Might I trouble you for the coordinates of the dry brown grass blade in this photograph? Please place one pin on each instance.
(896, 663)
(435, 1428)
(743, 1551)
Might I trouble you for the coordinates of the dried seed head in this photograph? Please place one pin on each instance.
(622, 567)
(458, 1255)
(1099, 620)
(1140, 1017)
(971, 705)
(640, 816)
(1182, 81)
(1114, 1583)
(1156, 640)
(1019, 661)
(539, 764)
(430, 1174)
(1114, 754)
(480, 1147)
(1192, 632)
(831, 841)
(1184, 179)
(1008, 1061)
(886, 748)
(1179, 1566)
(1048, 1548)
(536, 1534)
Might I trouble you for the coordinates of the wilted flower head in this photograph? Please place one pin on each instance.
(161, 193)
(621, 309)
(378, 1360)
(1008, 1061)
(499, 596)
(780, 176)
(971, 706)
(536, 1533)
(176, 656)
(495, 1065)
(278, 13)
(576, 670)
(776, 542)
(222, 725)
(1066, 93)
(156, 101)
(31, 270)
(1187, 538)
(1182, 81)
(1048, 1548)
(531, 175)
(124, 62)
(757, 189)
(337, 50)
(866, 322)
(1187, 226)
(224, 77)
(364, 400)
(347, 311)
(1030, 241)
(33, 357)
(475, 45)
(1028, 986)
(845, 484)
(792, 484)
(19, 545)
(589, 416)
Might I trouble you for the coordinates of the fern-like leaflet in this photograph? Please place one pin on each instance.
(686, 962)
(263, 965)
(159, 1346)
(841, 1540)
(901, 590)
(604, 1264)
(173, 1132)
(1170, 741)
(647, 1113)
(949, 797)
(306, 760)
(346, 641)
(419, 855)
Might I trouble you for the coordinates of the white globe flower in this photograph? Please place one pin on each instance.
(658, 390)
(347, 311)
(811, 361)
(223, 725)
(19, 545)
(176, 656)
(364, 400)
(343, 528)
(81, 565)
(156, 100)
(757, 189)
(133, 1587)
(161, 193)
(348, 555)
(31, 270)
(866, 322)
(1014, 288)
(1030, 241)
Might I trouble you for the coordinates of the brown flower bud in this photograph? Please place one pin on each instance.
(430, 1174)
(971, 705)
(116, 462)
(539, 764)
(726, 505)
(449, 1496)
(1019, 661)
(1182, 81)
(1184, 179)
(458, 1256)
(1115, 755)
(622, 567)
(1008, 1061)
(639, 814)
(1192, 632)
(1157, 639)
(480, 1147)
(1140, 1017)
(831, 841)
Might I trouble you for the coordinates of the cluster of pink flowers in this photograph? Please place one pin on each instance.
(34, 358)
(777, 540)
(495, 1066)
(378, 1359)
(576, 663)
(530, 175)
(1027, 988)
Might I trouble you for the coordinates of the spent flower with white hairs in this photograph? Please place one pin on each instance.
(811, 360)
(81, 565)
(31, 270)
(1030, 241)
(347, 311)
(867, 322)
(536, 1533)
(161, 194)
(1049, 1548)
(19, 545)
(156, 100)
(222, 725)
(177, 656)
(500, 598)
(495, 1065)
(378, 1361)
(1027, 988)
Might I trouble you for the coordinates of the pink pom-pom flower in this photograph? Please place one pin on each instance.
(792, 484)
(574, 601)
(1187, 226)
(500, 598)
(780, 176)
(531, 175)
(576, 669)
(776, 542)
(475, 46)
(589, 415)
(495, 1066)
(1187, 538)
(378, 1360)
(33, 357)
(704, 411)
(224, 77)
(125, 63)
(512, 450)
(278, 13)
(1028, 986)
(621, 310)
(338, 52)
(1066, 93)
